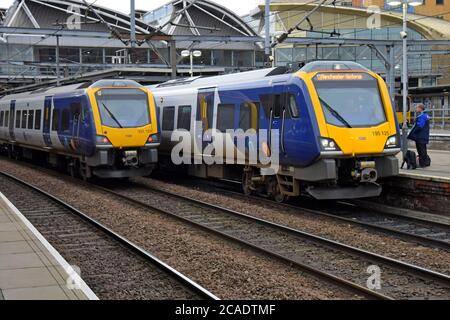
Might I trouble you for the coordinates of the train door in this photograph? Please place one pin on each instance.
(277, 118)
(75, 124)
(293, 132)
(12, 112)
(47, 122)
(205, 115)
(283, 114)
(237, 111)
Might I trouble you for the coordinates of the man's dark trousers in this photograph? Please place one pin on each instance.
(423, 155)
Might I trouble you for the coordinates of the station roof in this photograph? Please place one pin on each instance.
(429, 27)
(139, 74)
(72, 14)
(2, 15)
(439, 89)
(201, 17)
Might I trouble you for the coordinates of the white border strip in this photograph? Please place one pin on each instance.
(77, 279)
(422, 176)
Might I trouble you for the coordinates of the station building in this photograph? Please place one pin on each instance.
(207, 18)
(25, 58)
(2, 14)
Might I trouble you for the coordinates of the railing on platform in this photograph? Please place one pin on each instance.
(440, 118)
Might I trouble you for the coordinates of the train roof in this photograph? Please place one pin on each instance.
(256, 75)
(50, 91)
(222, 80)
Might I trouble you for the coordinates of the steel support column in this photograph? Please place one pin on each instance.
(57, 60)
(267, 31)
(390, 74)
(173, 58)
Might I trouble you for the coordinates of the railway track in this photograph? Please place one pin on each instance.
(424, 231)
(112, 266)
(420, 230)
(328, 259)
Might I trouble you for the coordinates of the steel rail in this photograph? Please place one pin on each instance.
(322, 274)
(433, 242)
(189, 283)
(433, 275)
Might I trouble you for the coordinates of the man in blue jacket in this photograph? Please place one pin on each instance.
(420, 133)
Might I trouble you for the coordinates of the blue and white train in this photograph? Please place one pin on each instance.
(338, 133)
(106, 129)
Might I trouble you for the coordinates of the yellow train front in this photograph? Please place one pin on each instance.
(355, 126)
(107, 129)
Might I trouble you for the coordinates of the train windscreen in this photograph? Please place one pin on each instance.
(123, 108)
(350, 99)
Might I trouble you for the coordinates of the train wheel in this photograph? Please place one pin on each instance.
(10, 152)
(73, 168)
(274, 190)
(247, 183)
(85, 172)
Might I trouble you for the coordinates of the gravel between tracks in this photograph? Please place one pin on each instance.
(112, 271)
(226, 269)
(432, 258)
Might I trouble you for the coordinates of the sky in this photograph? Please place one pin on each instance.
(241, 7)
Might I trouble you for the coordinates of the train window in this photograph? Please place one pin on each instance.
(225, 117)
(184, 117)
(272, 102)
(168, 119)
(245, 117)
(293, 107)
(24, 119)
(65, 120)
(6, 118)
(205, 109)
(1, 118)
(75, 110)
(277, 105)
(37, 120)
(55, 120)
(30, 119)
(18, 118)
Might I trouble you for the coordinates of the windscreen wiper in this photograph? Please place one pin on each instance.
(112, 115)
(335, 113)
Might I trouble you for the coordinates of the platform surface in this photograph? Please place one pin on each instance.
(439, 170)
(30, 268)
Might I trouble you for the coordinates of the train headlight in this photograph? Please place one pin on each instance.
(392, 142)
(154, 138)
(328, 144)
(102, 141)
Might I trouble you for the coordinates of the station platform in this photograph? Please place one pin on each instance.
(439, 171)
(439, 140)
(30, 268)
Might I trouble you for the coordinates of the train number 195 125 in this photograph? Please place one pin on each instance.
(380, 133)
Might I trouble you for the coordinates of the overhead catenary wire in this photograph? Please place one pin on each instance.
(285, 35)
(300, 13)
(357, 30)
(347, 20)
